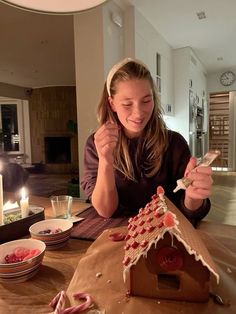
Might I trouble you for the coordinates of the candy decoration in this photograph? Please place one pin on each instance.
(127, 237)
(168, 220)
(133, 228)
(20, 254)
(134, 244)
(160, 190)
(117, 236)
(144, 243)
(150, 228)
(126, 260)
(58, 303)
(170, 258)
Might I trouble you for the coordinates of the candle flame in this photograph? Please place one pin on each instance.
(23, 193)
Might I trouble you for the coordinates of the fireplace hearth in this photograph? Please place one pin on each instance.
(57, 149)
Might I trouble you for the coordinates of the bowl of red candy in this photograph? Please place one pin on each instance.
(20, 260)
(55, 233)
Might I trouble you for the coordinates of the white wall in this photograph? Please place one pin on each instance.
(186, 67)
(148, 42)
(98, 45)
(213, 83)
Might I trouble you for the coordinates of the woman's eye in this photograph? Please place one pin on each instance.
(127, 105)
(146, 101)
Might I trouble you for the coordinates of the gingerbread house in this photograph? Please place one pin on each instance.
(164, 255)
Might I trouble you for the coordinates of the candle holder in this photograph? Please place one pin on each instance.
(15, 226)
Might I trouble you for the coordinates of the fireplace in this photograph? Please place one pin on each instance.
(57, 149)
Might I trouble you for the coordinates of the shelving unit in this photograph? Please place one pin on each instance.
(219, 127)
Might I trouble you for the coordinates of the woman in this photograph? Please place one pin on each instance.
(133, 152)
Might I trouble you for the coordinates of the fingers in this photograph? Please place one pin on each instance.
(105, 140)
(190, 166)
(201, 186)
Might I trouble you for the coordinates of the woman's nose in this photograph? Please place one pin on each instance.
(137, 110)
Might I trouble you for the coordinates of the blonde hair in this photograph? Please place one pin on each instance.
(154, 137)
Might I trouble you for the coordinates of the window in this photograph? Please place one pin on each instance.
(14, 129)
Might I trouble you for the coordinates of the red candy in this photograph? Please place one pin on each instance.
(170, 258)
(117, 236)
(160, 190)
(21, 254)
(168, 220)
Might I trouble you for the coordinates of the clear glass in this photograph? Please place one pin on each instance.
(61, 206)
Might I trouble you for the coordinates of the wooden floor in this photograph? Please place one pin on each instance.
(223, 199)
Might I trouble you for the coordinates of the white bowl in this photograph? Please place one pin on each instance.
(53, 241)
(20, 271)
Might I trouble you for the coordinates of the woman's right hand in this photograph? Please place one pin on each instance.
(105, 140)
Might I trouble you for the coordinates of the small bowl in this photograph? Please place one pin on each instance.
(24, 270)
(53, 241)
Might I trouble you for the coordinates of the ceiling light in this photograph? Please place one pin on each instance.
(201, 15)
(54, 6)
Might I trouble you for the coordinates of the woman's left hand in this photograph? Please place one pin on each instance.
(201, 186)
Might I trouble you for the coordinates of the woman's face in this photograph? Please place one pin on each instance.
(133, 104)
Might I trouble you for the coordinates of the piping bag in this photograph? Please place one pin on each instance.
(207, 159)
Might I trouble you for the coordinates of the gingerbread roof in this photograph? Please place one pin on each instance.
(158, 217)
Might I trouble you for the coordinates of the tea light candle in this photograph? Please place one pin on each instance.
(24, 204)
(1, 202)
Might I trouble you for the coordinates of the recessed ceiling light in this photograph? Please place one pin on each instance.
(201, 15)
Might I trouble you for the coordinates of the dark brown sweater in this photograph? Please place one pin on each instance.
(134, 195)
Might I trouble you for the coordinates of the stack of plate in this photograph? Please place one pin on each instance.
(19, 271)
(55, 233)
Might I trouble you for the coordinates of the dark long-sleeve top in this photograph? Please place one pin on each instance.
(135, 195)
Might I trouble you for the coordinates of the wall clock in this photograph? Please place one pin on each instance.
(227, 78)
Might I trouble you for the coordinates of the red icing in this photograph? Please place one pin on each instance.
(170, 258)
(160, 225)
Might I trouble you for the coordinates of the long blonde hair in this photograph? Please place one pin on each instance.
(154, 137)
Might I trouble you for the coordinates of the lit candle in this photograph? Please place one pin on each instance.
(1, 202)
(24, 204)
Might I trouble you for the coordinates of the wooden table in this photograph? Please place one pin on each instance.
(34, 295)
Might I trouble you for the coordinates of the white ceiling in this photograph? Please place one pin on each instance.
(37, 50)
